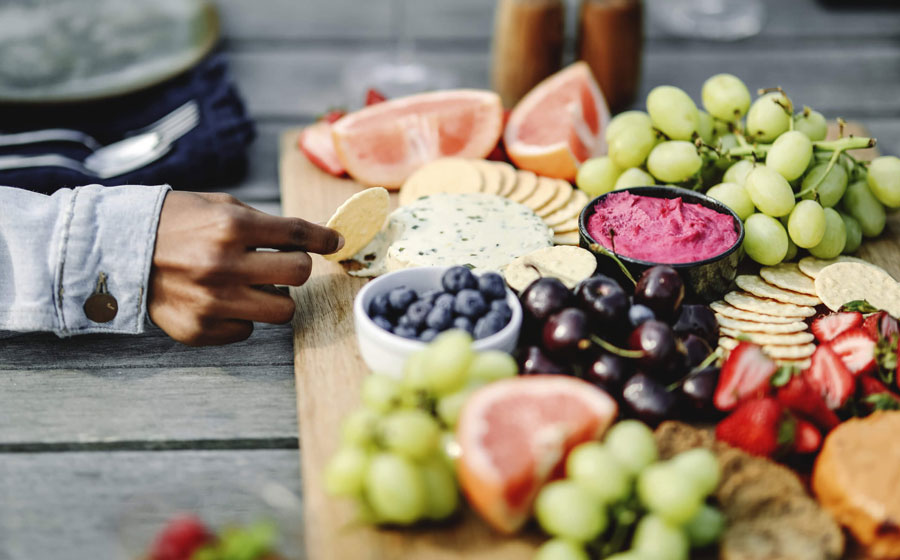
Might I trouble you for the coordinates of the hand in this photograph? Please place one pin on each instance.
(207, 277)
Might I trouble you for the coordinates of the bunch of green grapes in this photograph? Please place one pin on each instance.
(619, 488)
(771, 165)
(396, 457)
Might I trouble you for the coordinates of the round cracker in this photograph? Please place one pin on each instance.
(526, 184)
(567, 238)
(791, 339)
(748, 302)
(492, 178)
(811, 266)
(566, 227)
(799, 364)
(543, 194)
(570, 264)
(844, 282)
(359, 219)
(571, 210)
(788, 277)
(758, 287)
(791, 352)
(447, 175)
(510, 177)
(726, 310)
(770, 328)
(563, 196)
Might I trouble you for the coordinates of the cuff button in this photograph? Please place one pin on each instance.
(101, 306)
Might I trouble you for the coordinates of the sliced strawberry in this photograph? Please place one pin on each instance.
(755, 426)
(856, 349)
(807, 438)
(880, 324)
(870, 324)
(798, 396)
(373, 96)
(828, 327)
(828, 376)
(746, 373)
(315, 141)
(875, 395)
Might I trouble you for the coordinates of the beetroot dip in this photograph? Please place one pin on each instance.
(660, 230)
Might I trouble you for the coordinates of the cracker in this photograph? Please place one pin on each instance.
(791, 339)
(543, 194)
(749, 302)
(570, 264)
(571, 210)
(770, 328)
(566, 227)
(726, 310)
(844, 282)
(811, 266)
(563, 196)
(359, 219)
(526, 184)
(491, 176)
(788, 277)
(567, 238)
(758, 287)
(510, 177)
(447, 175)
(799, 364)
(791, 352)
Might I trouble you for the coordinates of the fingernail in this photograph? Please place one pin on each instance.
(340, 244)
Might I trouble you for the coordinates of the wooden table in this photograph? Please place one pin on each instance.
(91, 428)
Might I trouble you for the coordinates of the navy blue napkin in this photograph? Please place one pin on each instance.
(213, 154)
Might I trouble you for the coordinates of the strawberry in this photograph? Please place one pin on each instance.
(180, 538)
(755, 426)
(798, 396)
(332, 116)
(876, 396)
(746, 373)
(807, 439)
(828, 376)
(880, 324)
(856, 349)
(373, 96)
(827, 327)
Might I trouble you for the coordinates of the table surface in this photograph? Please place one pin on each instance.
(92, 428)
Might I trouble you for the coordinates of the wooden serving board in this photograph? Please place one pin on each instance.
(329, 370)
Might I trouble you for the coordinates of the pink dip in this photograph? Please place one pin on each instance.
(662, 230)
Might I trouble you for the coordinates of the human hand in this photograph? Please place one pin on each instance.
(206, 274)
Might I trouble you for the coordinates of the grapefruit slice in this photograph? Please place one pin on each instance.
(315, 141)
(383, 144)
(514, 435)
(558, 124)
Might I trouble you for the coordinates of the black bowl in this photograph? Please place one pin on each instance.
(707, 279)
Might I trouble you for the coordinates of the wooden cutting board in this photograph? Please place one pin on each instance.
(329, 371)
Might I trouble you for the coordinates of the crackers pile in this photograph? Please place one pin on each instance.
(553, 200)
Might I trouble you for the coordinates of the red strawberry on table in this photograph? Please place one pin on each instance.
(828, 376)
(856, 349)
(746, 373)
(755, 426)
(180, 538)
(807, 438)
(828, 327)
(797, 395)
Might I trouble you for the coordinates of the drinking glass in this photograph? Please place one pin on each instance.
(718, 20)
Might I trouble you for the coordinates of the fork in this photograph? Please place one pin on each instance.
(123, 156)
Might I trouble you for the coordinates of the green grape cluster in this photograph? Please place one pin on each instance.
(793, 189)
(397, 451)
(620, 489)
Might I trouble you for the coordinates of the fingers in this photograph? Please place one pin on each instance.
(290, 268)
(222, 332)
(291, 234)
(253, 304)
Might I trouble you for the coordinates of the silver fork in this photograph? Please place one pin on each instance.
(123, 156)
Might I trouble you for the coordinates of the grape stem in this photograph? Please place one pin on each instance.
(848, 143)
(612, 349)
(597, 248)
(709, 360)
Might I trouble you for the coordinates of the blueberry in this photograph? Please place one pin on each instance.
(400, 298)
(492, 286)
(380, 306)
(405, 321)
(445, 300)
(417, 313)
(440, 318)
(458, 278)
(464, 323)
(490, 324)
(500, 306)
(430, 295)
(639, 314)
(383, 322)
(470, 303)
(406, 332)
(428, 335)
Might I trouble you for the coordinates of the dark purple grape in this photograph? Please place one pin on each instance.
(492, 286)
(698, 320)
(500, 306)
(647, 400)
(380, 306)
(657, 341)
(698, 389)
(694, 349)
(383, 322)
(439, 318)
(400, 298)
(608, 370)
(603, 299)
(470, 303)
(445, 300)
(491, 323)
(566, 332)
(638, 314)
(428, 335)
(464, 323)
(418, 311)
(458, 278)
(544, 297)
(406, 332)
(660, 288)
(534, 360)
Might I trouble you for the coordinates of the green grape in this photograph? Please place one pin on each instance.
(738, 172)
(811, 123)
(674, 161)
(706, 527)
(632, 443)
(346, 471)
(830, 189)
(626, 120)
(792, 250)
(834, 239)
(597, 176)
(415, 371)
(634, 177)
(561, 549)
(725, 97)
(790, 154)
(884, 180)
(769, 117)
(631, 146)
(597, 470)
(395, 489)
(381, 392)
(860, 203)
(769, 191)
(659, 540)
(449, 450)
(700, 465)
(564, 509)
(765, 239)
(449, 406)
(725, 142)
(359, 427)
(673, 112)
(854, 233)
(806, 226)
(705, 127)
(448, 358)
(667, 492)
(733, 196)
(441, 493)
(492, 365)
(410, 432)
(628, 555)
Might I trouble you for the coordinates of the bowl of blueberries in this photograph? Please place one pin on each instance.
(399, 313)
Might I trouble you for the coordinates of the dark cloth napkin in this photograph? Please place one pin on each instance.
(212, 154)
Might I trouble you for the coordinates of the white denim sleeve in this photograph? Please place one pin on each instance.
(53, 250)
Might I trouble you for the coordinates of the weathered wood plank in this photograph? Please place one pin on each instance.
(108, 505)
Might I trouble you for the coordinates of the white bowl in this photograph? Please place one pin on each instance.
(386, 352)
